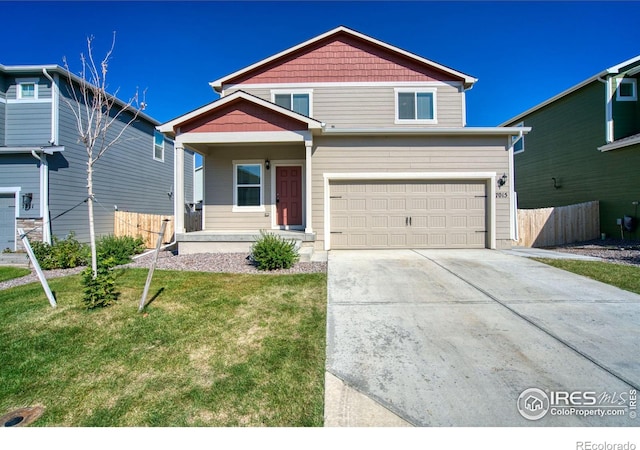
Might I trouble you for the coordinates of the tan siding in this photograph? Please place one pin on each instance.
(371, 106)
(218, 167)
(442, 154)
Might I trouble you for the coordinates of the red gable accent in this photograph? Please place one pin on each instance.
(242, 115)
(342, 58)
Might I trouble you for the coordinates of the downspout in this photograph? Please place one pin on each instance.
(608, 108)
(44, 179)
(513, 217)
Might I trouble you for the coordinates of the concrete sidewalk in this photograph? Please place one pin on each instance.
(529, 252)
(453, 337)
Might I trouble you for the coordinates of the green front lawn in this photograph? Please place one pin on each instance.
(9, 273)
(211, 350)
(622, 276)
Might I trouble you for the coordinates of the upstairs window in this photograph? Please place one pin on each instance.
(158, 146)
(27, 89)
(415, 106)
(299, 102)
(627, 90)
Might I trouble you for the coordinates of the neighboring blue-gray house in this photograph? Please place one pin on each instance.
(43, 166)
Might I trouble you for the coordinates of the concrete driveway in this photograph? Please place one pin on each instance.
(453, 337)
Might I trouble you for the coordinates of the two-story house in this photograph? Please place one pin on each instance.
(347, 142)
(585, 146)
(43, 178)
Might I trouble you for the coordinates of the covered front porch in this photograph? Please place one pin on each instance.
(257, 165)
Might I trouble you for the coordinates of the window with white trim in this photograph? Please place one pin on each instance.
(247, 186)
(518, 141)
(297, 101)
(627, 89)
(416, 106)
(27, 89)
(158, 146)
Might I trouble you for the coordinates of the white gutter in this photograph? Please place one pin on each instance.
(620, 143)
(46, 150)
(489, 131)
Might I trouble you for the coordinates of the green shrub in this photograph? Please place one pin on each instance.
(61, 254)
(101, 290)
(121, 249)
(272, 252)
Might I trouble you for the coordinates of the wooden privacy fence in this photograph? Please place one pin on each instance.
(193, 220)
(546, 227)
(147, 226)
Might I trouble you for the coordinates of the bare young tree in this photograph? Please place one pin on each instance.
(96, 112)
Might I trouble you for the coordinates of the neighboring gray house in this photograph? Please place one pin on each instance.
(43, 166)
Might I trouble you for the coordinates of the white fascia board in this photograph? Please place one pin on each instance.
(495, 131)
(345, 84)
(243, 137)
(468, 80)
(616, 69)
(620, 144)
(170, 126)
(409, 175)
(47, 150)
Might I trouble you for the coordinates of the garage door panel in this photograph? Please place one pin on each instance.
(437, 222)
(399, 240)
(397, 204)
(458, 222)
(426, 214)
(397, 221)
(379, 204)
(437, 203)
(379, 222)
(358, 204)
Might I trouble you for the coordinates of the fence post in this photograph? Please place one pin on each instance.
(143, 300)
(36, 265)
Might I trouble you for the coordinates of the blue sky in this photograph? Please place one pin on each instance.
(521, 52)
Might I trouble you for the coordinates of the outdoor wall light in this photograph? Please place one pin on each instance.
(26, 201)
(502, 180)
(556, 183)
(267, 164)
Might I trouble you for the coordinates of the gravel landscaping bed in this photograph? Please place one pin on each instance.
(202, 262)
(610, 250)
(220, 262)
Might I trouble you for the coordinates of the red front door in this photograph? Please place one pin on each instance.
(289, 195)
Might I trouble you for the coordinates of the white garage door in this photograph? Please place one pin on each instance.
(387, 214)
(7, 222)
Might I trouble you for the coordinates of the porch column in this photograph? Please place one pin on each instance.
(309, 175)
(178, 187)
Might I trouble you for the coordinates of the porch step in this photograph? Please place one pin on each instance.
(305, 253)
(235, 241)
(14, 259)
